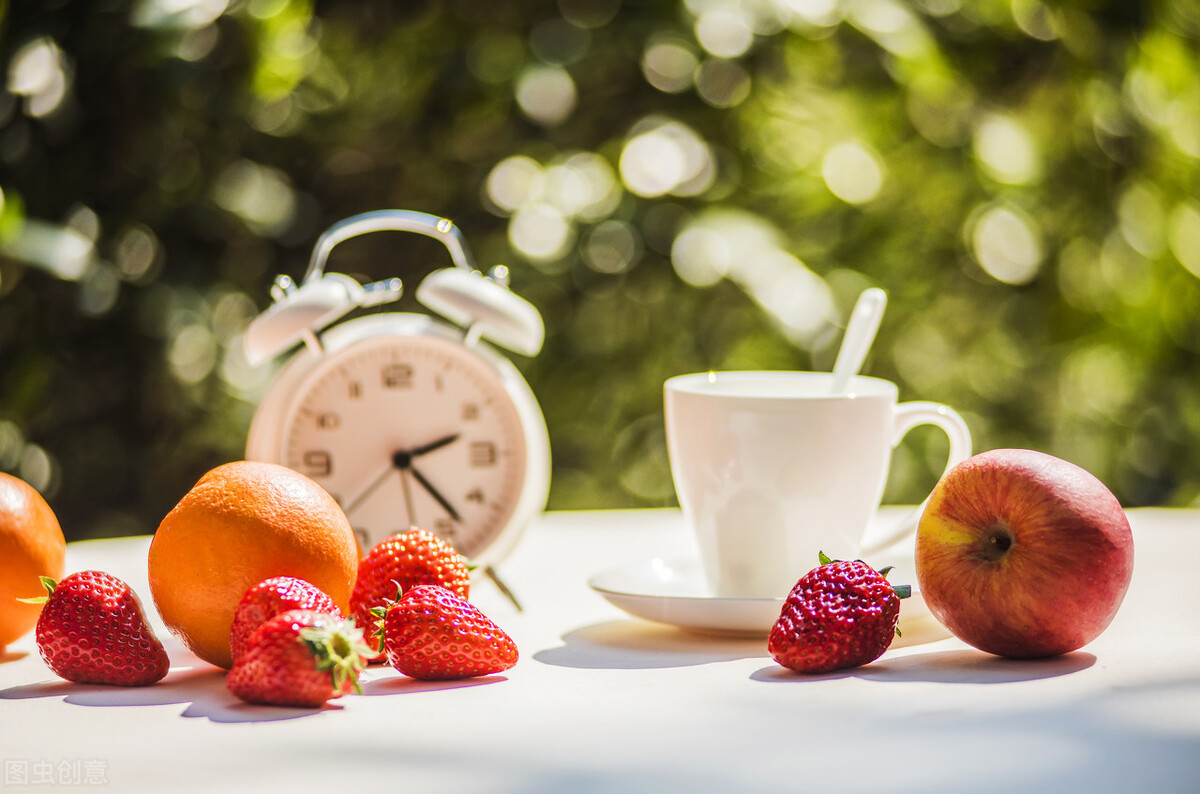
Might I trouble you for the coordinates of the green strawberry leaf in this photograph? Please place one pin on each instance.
(340, 650)
(47, 583)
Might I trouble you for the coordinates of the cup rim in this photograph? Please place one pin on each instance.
(697, 383)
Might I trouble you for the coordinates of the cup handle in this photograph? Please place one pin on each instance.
(909, 415)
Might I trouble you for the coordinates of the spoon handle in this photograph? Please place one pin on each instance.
(860, 333)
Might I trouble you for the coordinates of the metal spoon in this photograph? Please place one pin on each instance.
(860, 333)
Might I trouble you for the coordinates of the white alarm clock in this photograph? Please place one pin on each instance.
(406, 419)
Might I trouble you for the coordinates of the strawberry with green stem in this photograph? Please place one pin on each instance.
(840, 614)
(268, 598)
(92, 630)
(431, 634)
(300, 658)
(407, 559)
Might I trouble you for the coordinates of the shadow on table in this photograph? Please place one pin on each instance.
(7, 656)
(944, 667)
(637, 644)
(203, 690)
(398, 684)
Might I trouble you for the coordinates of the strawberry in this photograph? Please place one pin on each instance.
(299, 658)
(840, 614)
(267, 599)
(432, 634)
(404, 560)
(92, 631)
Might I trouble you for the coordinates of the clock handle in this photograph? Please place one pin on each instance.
(440, 229)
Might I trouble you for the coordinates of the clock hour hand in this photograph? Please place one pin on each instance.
(417, 452)
(428, 486)
(402, 458)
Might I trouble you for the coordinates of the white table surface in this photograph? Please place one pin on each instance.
(601, 701)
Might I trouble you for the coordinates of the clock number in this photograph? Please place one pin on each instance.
(444, 528)
(475, 495)
(355, 390)
(318, 463)
(329, 421)
(397, 376)
(470, 412)
(483, 453)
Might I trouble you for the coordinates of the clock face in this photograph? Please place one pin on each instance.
(410, 431)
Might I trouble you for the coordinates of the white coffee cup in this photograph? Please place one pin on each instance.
(772, 468)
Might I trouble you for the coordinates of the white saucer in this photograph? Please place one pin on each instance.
(674, 592)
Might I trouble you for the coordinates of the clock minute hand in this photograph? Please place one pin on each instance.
(428, 486)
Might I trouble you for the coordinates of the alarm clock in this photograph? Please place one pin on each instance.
(407, 419)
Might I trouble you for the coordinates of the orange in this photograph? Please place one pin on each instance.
(241, 523)
(31, 545)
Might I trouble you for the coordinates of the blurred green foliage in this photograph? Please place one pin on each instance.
(678, 185)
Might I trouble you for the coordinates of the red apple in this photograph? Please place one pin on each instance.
(1022, 554)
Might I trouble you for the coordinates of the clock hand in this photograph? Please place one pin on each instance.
(379, 480)
(408, 500)
(403, 461)
(428, 486)
(416, 452)
(353, 504)
(402, 458)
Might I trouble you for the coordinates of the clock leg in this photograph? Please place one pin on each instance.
(491, 573)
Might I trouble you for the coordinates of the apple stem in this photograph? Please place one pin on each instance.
(996, 544)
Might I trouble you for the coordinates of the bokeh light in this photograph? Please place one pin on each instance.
(546, 94)
(514, 182)
(1006, 244)
(666, 157)
(747, 250)
(137, 254)
(669, 65)
(853, 173)
(182, 14)
(39, 72)
(261, 196)
(612, 247)
(724, 30)
(1185, 235)
(540, 232)
(1007, 151)
(722, 83)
